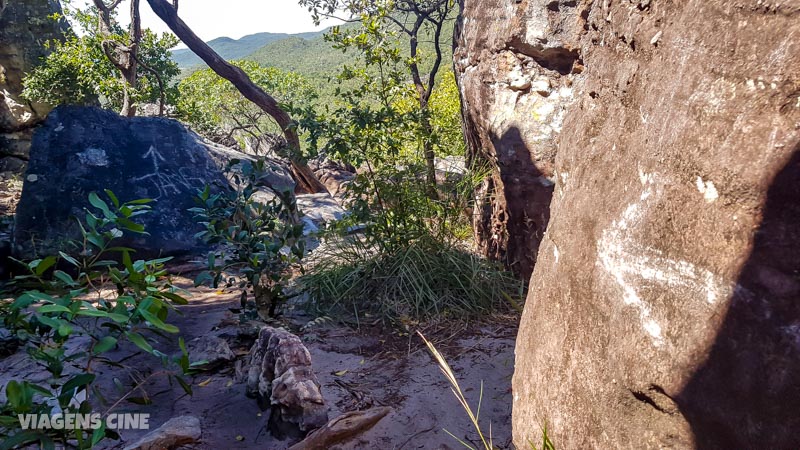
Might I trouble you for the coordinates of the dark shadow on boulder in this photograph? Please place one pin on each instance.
(747, 393)
(514, 221)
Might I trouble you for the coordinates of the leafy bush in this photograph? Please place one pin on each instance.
(63, 299)
(445, 112)
(261, 239)
(77, 71)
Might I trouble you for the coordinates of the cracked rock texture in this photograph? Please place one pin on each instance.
(25, 26)
(663, 308)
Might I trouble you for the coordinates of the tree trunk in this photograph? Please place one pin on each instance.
(122, 57)
(430, 156)
(423, 95)
(306, 180)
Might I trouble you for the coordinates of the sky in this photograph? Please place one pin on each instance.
(210, 19)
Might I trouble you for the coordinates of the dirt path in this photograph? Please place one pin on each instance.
(357, 370)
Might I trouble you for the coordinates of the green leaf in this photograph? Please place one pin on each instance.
(141, 201)
(70, 259)
(130, 225)
(140, 341)
(99, 433)
(80, 380)
(92, 313)
(101, 205)
(50, 322)
(53, 308)
(184, 385)
(112, 197)
(105, 344)
(65, 278)
(177, 299)
(64, 329)
(15, 395)
(96, 240)
(203, 278)
(45, 264)
(116, 317)
(158, 323)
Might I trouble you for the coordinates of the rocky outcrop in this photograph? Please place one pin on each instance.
(213, 351)
(25, 27)
(515, 69)
(80, 150)
(177, 432)
(663, 308)
(333, 175)
(280, 376)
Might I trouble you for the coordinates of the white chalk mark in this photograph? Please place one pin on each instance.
(708, 189)
(631, 264)
(154, 155)
(162, 182)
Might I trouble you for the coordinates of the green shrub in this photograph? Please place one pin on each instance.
(78, 72)
(259, 239)
(213, 106)
(63, 297)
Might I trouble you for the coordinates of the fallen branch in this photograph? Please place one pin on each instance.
(342, 428)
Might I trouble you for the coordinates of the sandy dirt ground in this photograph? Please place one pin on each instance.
(357, 369)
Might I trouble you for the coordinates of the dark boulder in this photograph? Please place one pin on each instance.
(81, 150)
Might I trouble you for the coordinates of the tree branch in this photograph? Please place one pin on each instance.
(161, 91)
(306, 180)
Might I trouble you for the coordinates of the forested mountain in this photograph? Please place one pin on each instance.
(236, 48)
(305, 53)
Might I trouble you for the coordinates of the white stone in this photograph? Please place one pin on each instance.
(541, 85)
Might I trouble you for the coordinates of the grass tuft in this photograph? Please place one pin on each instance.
(474, 416)
(422, 281)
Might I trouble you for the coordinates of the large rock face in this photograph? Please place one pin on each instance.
(515, 68)
(663, 309)
(79, 150)
(25, 27)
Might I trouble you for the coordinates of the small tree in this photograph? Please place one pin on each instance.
(415, 20)
(373, 125)
(261, 239)
(79, 71)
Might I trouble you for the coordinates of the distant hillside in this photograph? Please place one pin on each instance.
(310, 55)
(314, 58)
(235, 48)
